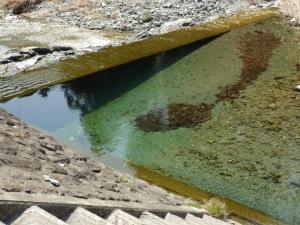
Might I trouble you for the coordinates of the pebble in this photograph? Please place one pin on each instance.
(297, 88)
(54, 182)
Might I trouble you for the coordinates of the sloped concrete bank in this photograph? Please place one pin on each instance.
(33, 163)
(120, 53)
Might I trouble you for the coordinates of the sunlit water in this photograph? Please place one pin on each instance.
(238, 153)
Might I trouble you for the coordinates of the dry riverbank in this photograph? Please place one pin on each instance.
(57, 30)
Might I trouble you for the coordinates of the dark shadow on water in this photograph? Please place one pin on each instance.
(89, 93)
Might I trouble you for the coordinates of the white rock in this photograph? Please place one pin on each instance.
(298, 87)
(46, 178)
(54, 182)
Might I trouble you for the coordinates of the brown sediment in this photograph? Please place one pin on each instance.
(256, 49)
(174, 116)
(298, 67)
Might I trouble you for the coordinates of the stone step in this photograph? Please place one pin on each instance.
(151, 219)
(37, 216)
(210, 220)
(176, 220)
(84, 217)
(118, 217)
(193, 220)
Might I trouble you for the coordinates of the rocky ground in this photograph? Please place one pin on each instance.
(85, 26)
(34, 163)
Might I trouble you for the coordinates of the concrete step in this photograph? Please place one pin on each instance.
(210, 220)
(176, 220)
(84, 217)
(118, 217)
(193, 220)
(151, 219)
(37, 216)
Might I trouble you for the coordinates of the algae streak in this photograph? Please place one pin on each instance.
(29, 82)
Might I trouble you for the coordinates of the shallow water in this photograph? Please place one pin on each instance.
(247, 150)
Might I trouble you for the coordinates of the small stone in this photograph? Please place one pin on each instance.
(61, 48)
(5, 61)
(295, 179)
(16, 57)
(54, 182)
(297, 88)
(96, 170)
(46, 178)
(28, 51)
(272, 106)
(42, 51)
(51, 147)
(10, 123)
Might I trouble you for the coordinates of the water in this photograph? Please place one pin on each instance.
(246, 149)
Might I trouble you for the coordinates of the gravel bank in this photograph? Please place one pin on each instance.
(89, 26)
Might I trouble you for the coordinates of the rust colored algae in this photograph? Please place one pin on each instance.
(256, 49)
(174, 116)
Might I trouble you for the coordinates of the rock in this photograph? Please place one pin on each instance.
(4, 61)
(297, 88)
(61, 48)
(16, 57)
(70, 52)
(42, 51)
(51, 147)
(272, 106)
(295, 179)
(54, 182)
(171, 26)
(28, 51)
(57, 169)
(21, 7)
(46, 178)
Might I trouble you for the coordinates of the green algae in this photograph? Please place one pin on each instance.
(249, 148)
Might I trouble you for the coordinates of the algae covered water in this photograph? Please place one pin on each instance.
(222, 116)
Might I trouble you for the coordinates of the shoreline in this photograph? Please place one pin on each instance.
(50, 35)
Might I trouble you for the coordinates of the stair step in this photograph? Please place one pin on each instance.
(37, 216)
(210, 220)
(118, 217)
(193, 220)
(172, 219)
(84, 217)
(151, 219)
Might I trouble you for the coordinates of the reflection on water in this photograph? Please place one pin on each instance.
(165, 113)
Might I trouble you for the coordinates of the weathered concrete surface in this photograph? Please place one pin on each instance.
(82, 216)
(36, 216)
(29, 159)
